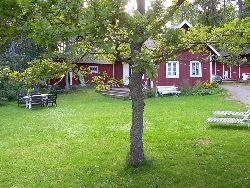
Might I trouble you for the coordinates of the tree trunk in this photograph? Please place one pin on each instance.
(67, 52)
(213, 13)
(136, 155)
(12, 53)
(240, 5)
(67, 81)
(141, 6)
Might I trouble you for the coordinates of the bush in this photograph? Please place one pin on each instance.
(149, 92)
(186, 88)
(103, 82)
(205, 88)
(8, 90)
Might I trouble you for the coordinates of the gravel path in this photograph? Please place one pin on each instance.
(239, 92)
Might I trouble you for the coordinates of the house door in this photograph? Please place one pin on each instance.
(126, 74)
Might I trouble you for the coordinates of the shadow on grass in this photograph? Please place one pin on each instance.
(229, 127)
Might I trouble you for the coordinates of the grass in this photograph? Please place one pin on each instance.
(84, 142)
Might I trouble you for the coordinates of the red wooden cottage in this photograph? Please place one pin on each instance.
(186, 68)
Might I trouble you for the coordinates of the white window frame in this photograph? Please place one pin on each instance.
(93, 67)
(177, 69)
(200, 68)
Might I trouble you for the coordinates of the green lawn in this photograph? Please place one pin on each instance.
(84, 142)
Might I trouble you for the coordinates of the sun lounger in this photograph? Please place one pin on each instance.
(231, 118)
(230, 113)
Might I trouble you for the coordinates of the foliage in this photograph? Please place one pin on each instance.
(41, 71)
(102, 82)
(18, 51)
(206, 12)
(38, 73)
(205, 88)
(149, 92)
(232, 39)
(80, 70)
(246, 12)
(8, 87)
(84, 141)
(112, 82)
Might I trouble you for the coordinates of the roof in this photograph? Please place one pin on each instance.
(180, 25)
(88, 59)
(224, 53)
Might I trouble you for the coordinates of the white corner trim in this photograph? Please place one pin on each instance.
(213, 49)
(182, 24)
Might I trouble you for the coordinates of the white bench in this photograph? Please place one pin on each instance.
(167, 90)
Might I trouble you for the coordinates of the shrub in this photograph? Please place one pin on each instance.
(149, 92)
(102, 81)
(186, 88)
(8, 87)
(205, 88)
(115, 83)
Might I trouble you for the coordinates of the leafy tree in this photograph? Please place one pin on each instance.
(38, 73)
(246, 9)
(19, 51)
(103, 29)
(206, 12)
(122, 37)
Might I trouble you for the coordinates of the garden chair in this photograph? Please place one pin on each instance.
(20, 99)
(51, 99)
(36, 100)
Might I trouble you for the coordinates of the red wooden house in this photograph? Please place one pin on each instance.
(186, 68)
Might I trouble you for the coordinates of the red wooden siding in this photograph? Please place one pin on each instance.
(236, 72)
(118, 70)
(184, 59)
(108, 68)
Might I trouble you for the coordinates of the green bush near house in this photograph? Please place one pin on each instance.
(201, 88)
(84, 142)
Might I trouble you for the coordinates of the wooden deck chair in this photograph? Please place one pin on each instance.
(231, 113)
(230, 120)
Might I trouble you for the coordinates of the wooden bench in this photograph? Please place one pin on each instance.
(167, 90)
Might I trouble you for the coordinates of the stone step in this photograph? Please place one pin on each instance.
(120, 89)
(117, 93)
(113, 91)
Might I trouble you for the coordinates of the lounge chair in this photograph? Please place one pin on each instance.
(230, 117)
(230, 113)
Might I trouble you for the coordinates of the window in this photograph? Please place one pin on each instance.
(195, 69)
(93, 69)
(172, 69)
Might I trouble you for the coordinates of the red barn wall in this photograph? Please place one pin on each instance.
(245, 68)
(118, 70)
(236, 74)
(184, 59)
(108, 68)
